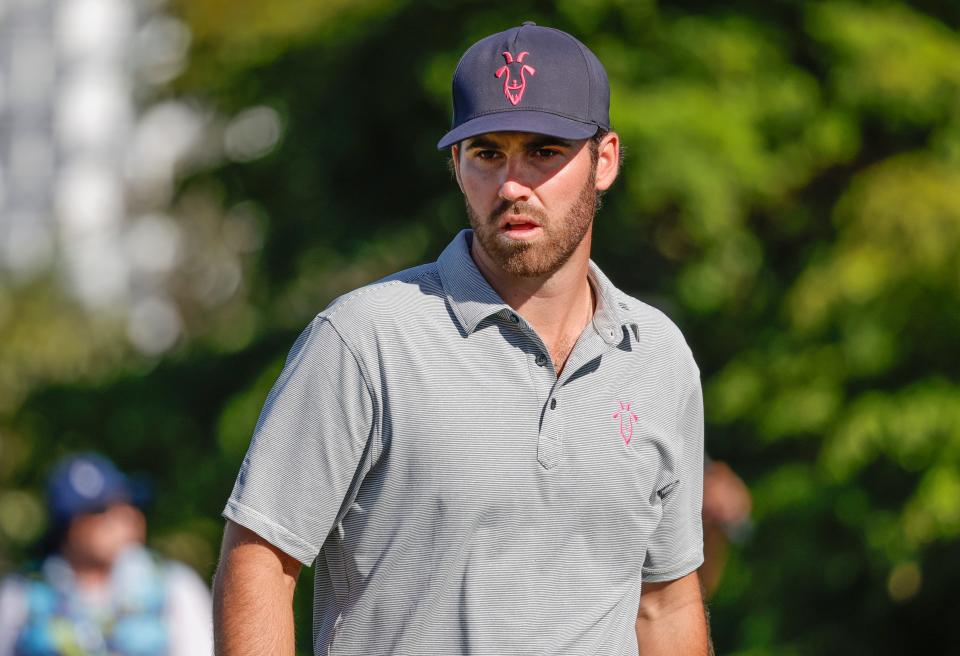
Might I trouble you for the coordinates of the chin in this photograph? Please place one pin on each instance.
(531, 264)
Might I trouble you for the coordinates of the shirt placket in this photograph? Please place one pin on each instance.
(550, 437)
(550, 441)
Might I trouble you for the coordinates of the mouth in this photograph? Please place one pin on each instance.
(519, 227)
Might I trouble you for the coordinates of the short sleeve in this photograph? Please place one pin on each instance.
(313, 433)
(676, 546)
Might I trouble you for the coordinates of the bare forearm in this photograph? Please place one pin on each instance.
(253, 599)
(673, 624)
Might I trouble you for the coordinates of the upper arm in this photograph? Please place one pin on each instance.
(253, 596)
(676, 546)
(310, 448)
(242, 548)
(672, 619)
(658, 599)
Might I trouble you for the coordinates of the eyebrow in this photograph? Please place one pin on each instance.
(482, 142)
(545, 140)
(539, 141)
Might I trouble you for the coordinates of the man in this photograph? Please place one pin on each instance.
(492, 453)
(102, 592)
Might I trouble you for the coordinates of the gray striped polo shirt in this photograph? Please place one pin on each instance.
(462, 498)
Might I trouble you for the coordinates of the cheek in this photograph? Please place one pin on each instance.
(561, 192)
(83, 530)
(480, 192)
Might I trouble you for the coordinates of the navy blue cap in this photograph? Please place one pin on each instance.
(85, 483)
(529, 79)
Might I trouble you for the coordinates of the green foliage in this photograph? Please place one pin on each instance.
(241, 412)
(791, 197)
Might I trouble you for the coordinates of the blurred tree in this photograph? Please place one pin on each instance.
(791, 197)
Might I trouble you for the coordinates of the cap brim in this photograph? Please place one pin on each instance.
(519, 121)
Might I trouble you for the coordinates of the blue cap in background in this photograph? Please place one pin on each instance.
(85, 483)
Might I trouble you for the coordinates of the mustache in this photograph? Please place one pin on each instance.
(517, 207)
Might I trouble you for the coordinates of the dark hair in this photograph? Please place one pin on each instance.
(594, 145)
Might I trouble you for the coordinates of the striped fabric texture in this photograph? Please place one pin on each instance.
(454, 494)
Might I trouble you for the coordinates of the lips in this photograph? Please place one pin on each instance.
(520, 227)
(517, 222)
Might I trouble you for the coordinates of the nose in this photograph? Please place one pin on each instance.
(514, 187)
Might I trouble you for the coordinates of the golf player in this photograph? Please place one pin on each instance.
(495, 453)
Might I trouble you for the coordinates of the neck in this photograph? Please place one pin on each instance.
(558, 305)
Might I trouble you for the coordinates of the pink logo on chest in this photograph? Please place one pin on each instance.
(627, 419)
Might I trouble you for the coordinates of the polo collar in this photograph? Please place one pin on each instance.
(472, 299)
(470, 295)
(609, 317)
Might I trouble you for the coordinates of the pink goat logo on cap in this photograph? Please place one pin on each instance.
(515, 82)
(626, 421)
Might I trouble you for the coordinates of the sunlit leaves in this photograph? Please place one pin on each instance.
(899, 227)
(916, 428)
(22, 516)
(247, 33)
(890, 59)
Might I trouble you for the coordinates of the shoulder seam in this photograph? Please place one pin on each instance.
(328, 313)
(367, 381)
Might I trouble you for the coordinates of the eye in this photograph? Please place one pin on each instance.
(546, 153)
(485, 154)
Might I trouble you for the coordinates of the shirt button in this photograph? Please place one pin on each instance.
(541, 359)
(514, 319)
(553, 404)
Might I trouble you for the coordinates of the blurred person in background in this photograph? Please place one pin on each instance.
(101, 592)
(726, 518)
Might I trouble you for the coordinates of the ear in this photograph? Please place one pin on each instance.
(455, 158)
(608, 160)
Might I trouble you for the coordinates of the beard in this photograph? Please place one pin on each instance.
(560, 239)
